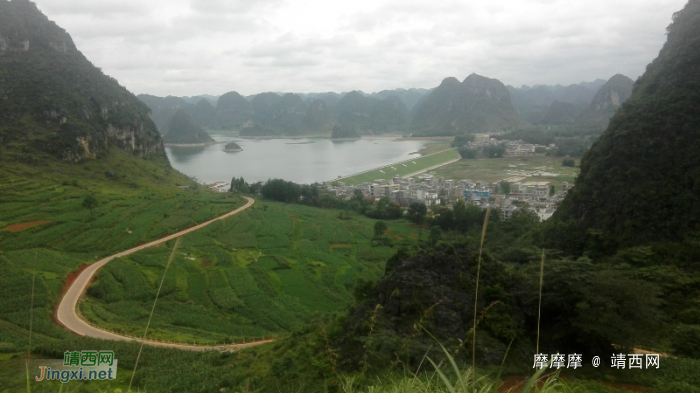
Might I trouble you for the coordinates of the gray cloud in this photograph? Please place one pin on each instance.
(187, 47)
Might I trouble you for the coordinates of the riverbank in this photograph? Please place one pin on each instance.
(265, 137)
(403, 168)
(191, 144)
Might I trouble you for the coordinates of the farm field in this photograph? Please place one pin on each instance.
(51, 235)
(265, 272)
(404, 168)
(496, 169)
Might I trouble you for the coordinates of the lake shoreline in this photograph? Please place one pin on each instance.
(362, 137)
(191, 144)
(294, 159)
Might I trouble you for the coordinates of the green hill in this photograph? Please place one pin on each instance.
(287, 115)
(204, 114)
(354, 109)
(606, 101)
(370, 115)
(183, 130)
(533, 102)
(560, 113)
(476, 105)
(53, 100)
(318, 119)
(640, 182)
(233, 110)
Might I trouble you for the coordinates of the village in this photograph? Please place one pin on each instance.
(530, 189)
(509, 194)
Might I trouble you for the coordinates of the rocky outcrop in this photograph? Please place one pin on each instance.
(232, 147)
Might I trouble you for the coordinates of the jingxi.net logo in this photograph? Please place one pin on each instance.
(78, 365)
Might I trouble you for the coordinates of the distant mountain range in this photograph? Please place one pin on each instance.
(534, 103)
(478, 104)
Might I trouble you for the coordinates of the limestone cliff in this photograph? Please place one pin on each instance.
(52, 99)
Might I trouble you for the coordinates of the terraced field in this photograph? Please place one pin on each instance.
(50, 234)
(264, 272)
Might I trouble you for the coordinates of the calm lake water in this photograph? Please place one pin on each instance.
(298, 160)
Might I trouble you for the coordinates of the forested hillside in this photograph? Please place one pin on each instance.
(606, 101)
(53, 100)
(640, 182)
(183, 130)
(476, 105)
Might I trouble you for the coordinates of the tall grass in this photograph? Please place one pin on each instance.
(476, 292)
(461, 381)
(539, 306)
(145, 332)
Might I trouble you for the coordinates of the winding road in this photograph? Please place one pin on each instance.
(67, 316)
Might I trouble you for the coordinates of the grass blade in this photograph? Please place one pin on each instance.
(533, 380)
(476, 297)
(497, 381)
(172, 255)
(443, 377)
(539, 307)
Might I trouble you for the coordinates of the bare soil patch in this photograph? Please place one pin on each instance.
(24, 225)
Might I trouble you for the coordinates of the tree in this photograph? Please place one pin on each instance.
(90, 202)
(379, 228)
(467, 216)
(443, 217)
(239, 185)
(467, 154)
(463, 140)
(552, 190)
(504, 187)
(281, 191)
(435, 234)
(495, 151)
(416, 212)
(568, 162)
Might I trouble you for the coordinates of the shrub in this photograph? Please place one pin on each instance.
(686, 341)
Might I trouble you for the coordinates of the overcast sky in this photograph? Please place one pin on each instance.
(191, 47)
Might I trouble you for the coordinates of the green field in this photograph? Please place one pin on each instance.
(496, 169)
(137, 202)
(264, 272)
(406, 168)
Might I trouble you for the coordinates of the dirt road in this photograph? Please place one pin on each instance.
(67, 316)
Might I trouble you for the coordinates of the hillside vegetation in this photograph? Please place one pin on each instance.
(639, 182)
(184, 131)
(52, 99)
(607, 100)
(477, 105)
(266, 271)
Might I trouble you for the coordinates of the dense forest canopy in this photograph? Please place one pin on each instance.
(640, 182)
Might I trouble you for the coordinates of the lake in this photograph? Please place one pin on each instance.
(298, 160)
